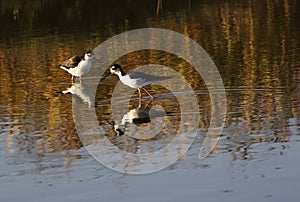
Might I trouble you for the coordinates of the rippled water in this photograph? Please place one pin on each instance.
(254, 44)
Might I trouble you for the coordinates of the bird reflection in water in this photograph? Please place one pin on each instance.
(82, 91)
(138, 116)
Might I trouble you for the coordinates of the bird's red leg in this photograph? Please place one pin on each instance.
(152, 98)
(140, 97)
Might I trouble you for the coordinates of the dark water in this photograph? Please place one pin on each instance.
(255, 45)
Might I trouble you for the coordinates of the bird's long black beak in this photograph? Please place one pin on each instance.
(96, 59)
(106, 75)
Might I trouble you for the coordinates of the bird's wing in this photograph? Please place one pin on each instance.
(147, 77)
(72, 62)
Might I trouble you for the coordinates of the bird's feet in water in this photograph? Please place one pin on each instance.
(147, 105)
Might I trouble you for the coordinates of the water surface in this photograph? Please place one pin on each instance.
(255, 45)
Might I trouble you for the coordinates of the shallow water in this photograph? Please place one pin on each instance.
(255, 46)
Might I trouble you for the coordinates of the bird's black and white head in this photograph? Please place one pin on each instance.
(116, 69)
(89, 55)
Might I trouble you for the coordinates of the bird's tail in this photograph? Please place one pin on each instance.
(65, 91)
(64, 68)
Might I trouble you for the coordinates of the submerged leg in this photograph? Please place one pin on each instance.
(147, 105)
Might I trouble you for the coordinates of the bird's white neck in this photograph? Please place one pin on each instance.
(86, 57)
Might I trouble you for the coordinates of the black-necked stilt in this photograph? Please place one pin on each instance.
(136, 80)
(77, 66)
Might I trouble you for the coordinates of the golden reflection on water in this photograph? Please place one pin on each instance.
(254, 44)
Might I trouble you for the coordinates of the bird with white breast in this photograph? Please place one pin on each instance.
(136, 80)
(78, 66)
